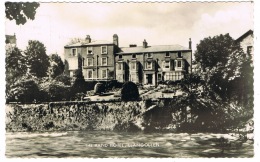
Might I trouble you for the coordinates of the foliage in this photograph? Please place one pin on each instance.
(58, 91)
(229, 70)
(37, 60)
(56, 65)
(99, 88)
(129, 92)
(24, 90)
(66, 80)
(79, 85)
(15, 67)
(21, 11)
(214, 51)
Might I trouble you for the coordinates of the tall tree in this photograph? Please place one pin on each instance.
(56, 65)
(37, 60)
(15, 68)
(21, 11)
(214, 51)
(14, 64)
(229, 71)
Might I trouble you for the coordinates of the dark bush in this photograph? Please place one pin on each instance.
(99, 88)
(79, 85)
(113, 84)
(58, 91)
(25, 90)
(129, 92)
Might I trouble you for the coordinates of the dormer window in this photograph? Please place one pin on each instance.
(179, 54)
(103, 49)
(149, 55)
(90, 50)
(74, 51)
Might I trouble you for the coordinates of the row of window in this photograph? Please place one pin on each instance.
(160, 77)
(149, 65)
(174, 76)
(90, 74)
(89, 50)
(90, 61)
(150, 55)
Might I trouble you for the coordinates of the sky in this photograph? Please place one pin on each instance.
(55, 24)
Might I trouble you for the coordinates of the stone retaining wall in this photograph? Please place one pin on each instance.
(72, 116)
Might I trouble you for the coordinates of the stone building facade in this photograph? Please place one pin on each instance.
(153, 64)
(95, 58)
(246, 42)
(104, 60)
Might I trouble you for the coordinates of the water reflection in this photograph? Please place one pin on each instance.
(113, 144)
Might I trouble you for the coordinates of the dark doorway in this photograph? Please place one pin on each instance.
(150, 78)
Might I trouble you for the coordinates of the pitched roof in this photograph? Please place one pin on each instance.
(249, 32)
(157, 48)
(96, 42)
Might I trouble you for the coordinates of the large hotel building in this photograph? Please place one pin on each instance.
(105, 60)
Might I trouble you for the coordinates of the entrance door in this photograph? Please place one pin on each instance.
(150, 78)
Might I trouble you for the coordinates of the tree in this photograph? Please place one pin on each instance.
(37, 60)
(21, 11)
(214, 51)
(229, 70)
(56, 65)
(14, 64)
(79, 85)
(15, 67)
(129, 92)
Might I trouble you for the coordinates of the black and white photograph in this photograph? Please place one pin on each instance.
(129, 79)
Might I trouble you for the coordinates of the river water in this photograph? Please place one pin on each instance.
(103, 144)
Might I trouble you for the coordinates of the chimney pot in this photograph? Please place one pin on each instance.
(190, 43)
(88, 39)
(115, 39)
(145, 44)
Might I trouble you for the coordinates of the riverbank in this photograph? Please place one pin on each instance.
(162, 115)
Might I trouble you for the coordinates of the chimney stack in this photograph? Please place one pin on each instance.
(145, 44)
(115, 39)
(88, 39)
(190, 44)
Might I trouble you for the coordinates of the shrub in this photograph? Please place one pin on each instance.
(129, 92)
(79, 85)
(99, 88)
(24, 90)
(58, 91)
(64, 79)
